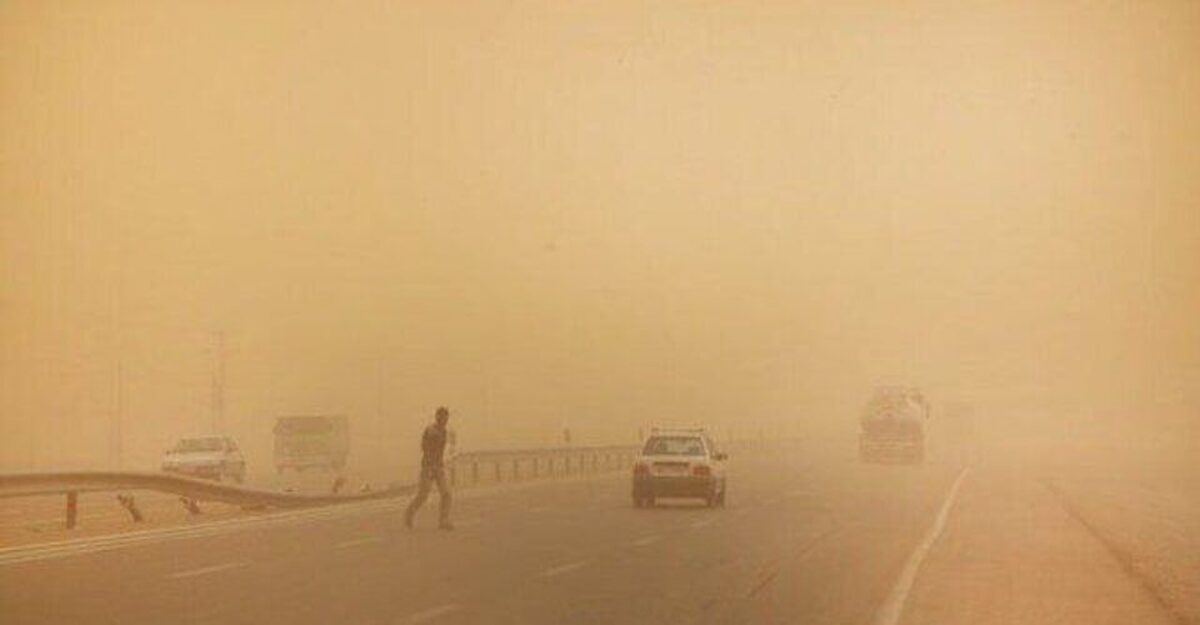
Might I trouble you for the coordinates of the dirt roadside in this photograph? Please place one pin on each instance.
(1082, 532)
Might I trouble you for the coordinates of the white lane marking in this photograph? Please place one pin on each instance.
(703, 523)
(366, 540)
(645, 540)
(431, 613)
(893, 607)
(763, 580)
(208, 570)
(555, 571)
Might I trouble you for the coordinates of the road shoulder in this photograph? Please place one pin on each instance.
(1012, 554)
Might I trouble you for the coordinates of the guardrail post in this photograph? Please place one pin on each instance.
(72, 509)
(497, 466)
(474, 472)
(516, 469)
(127, 501)
(535, 467)
(190, 504)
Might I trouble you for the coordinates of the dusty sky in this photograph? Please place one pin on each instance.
(600, 215)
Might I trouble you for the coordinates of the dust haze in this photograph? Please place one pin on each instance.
(591, 216)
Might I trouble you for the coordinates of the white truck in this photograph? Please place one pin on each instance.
(892, 427)
(312, 442)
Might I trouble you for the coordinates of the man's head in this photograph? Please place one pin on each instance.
(442, 415)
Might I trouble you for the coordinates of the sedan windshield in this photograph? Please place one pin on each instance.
(199, 444)
(674, 446)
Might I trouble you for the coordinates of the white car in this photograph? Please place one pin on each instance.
(679, 463)
(207, 457)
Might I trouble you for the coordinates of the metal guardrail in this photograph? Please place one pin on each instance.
(31, 484)
(190, 490)
(494, 466)
(466, 469)
(499, 465)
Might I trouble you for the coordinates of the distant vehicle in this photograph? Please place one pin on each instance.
(892, 426)
(679, 463)
(311, 442)
(206, 457)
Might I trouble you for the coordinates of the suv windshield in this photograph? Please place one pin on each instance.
(674, 446)
(200, 444)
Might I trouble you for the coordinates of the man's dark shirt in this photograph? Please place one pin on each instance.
(433, 446)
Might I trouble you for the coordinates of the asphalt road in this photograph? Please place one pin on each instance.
(807, 537)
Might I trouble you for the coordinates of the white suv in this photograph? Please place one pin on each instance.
(679, 463)
(207, 457)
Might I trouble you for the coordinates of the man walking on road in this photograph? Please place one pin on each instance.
(433, 470)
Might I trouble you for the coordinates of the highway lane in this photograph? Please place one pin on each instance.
(807, 535)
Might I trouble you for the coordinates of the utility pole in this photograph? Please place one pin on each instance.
(115, 447)
(114, 444)
(380, 428)
(218, 384)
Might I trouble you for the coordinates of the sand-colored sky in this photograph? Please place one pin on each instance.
(592, 214)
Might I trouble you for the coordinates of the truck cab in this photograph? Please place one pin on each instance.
(892, 427)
